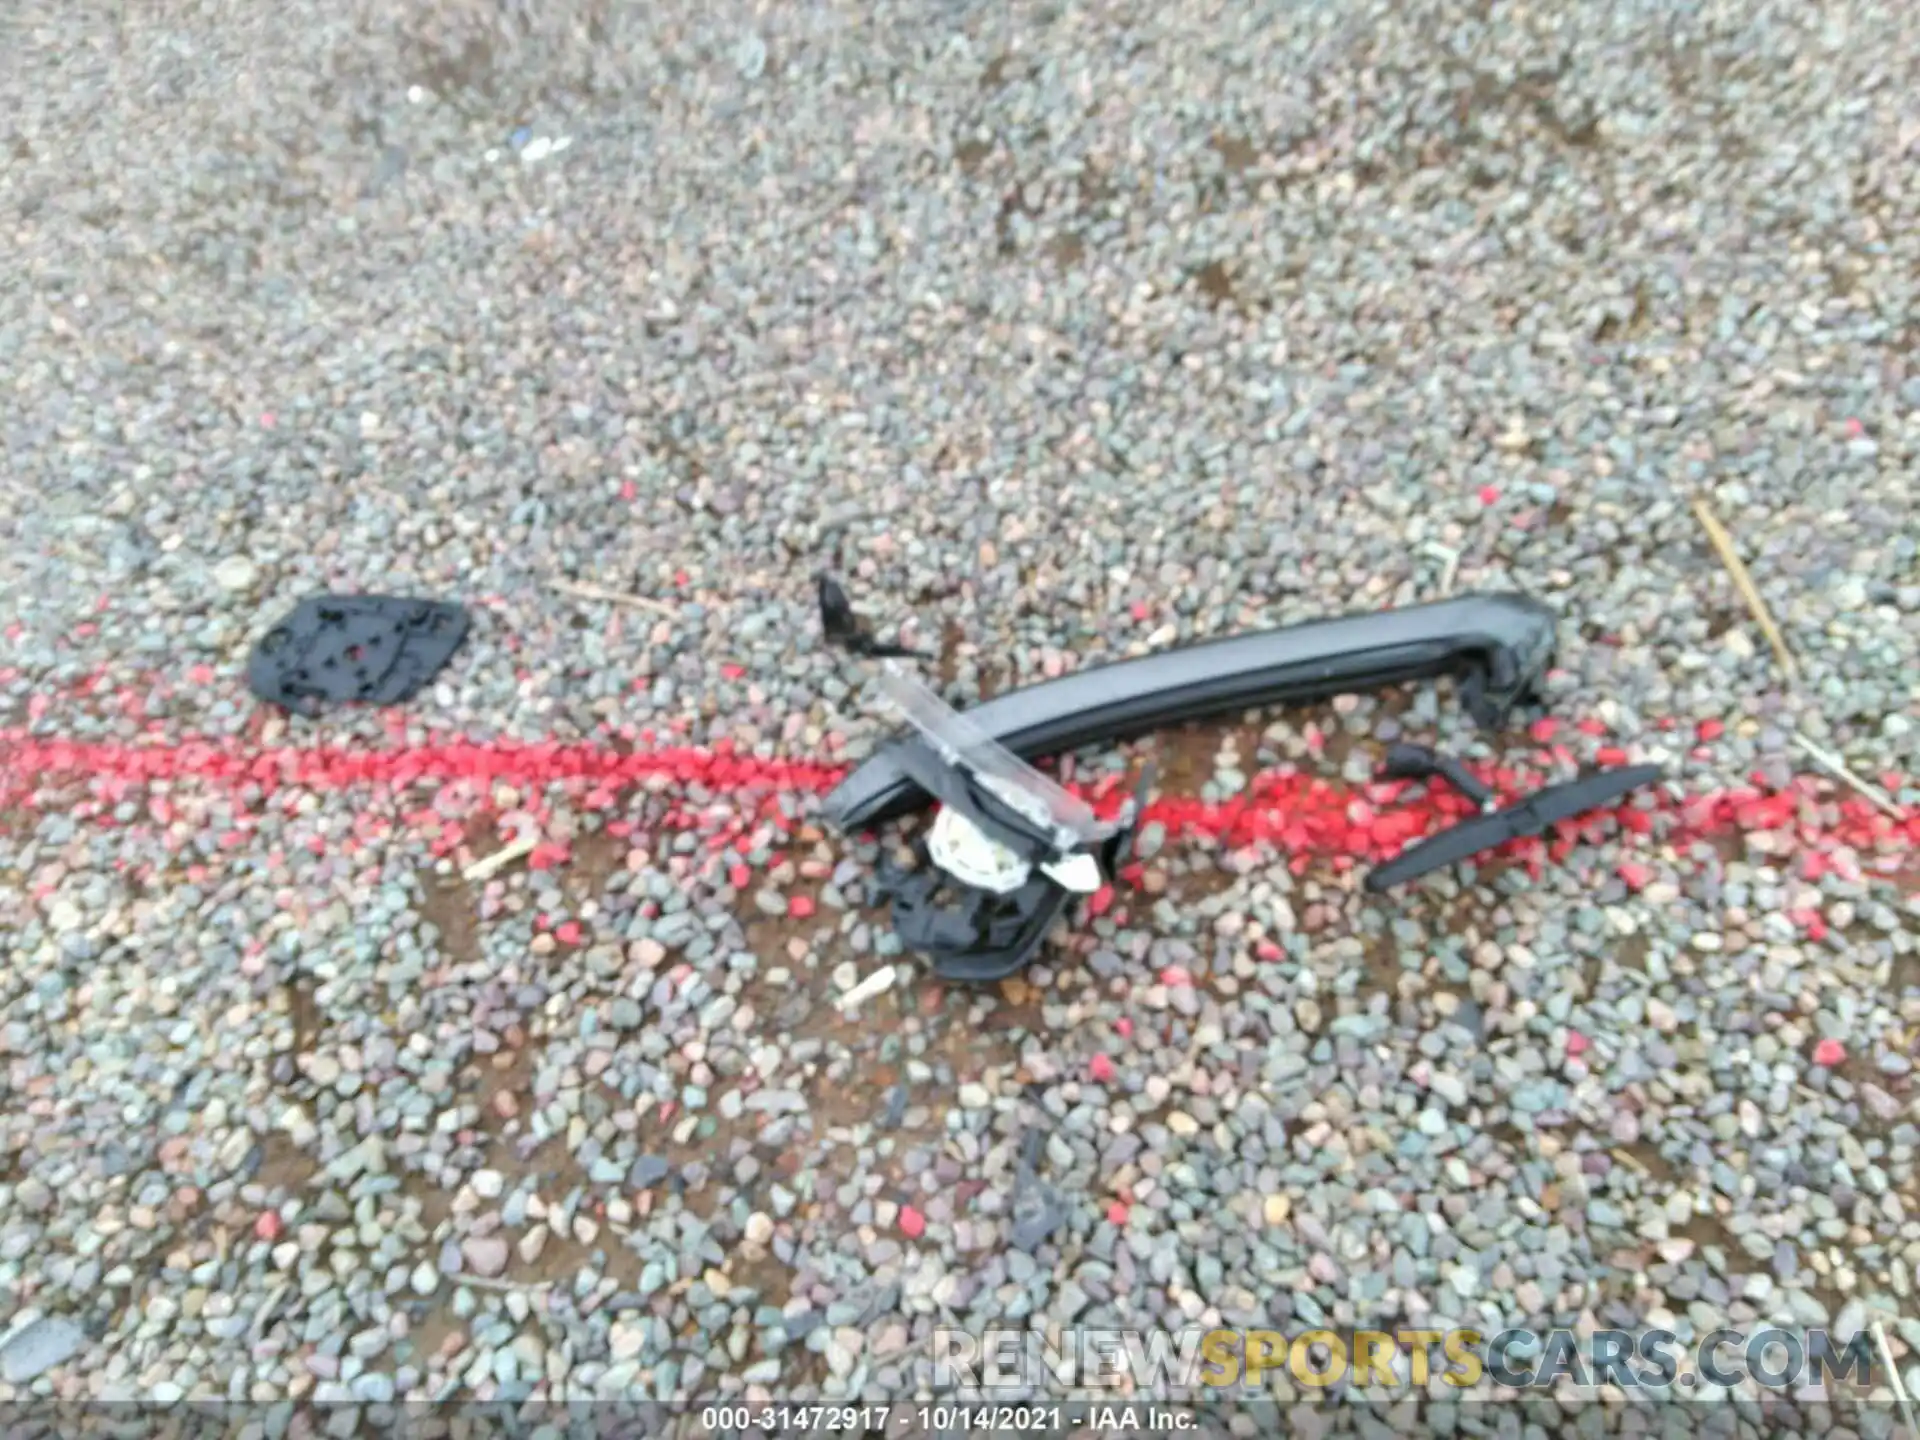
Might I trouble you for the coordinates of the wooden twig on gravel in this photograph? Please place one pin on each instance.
(581, 590)
(1895, 1383)
(1838, 768)
(1631, 1161)
(1743, 582)
(491, 865)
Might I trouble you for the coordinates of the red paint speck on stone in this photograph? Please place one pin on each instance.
(912, 1223)
(628, 490)
(1544, 729)
(1123, 1027)
(1710, 730)
(1635, 875)
(1100, 901)
(1489, 494)
(1591, 727)
(1576, 1044)
(268, 1226)
(1140, 610)
(1829, 1052)
(568, 933)
(1101, 1068)
(799, 907)
(733, 672)
(1610, 755)
(739, 876)
(1810, 921)
(1117, 1213)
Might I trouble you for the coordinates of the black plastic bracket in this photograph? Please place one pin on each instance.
(1422, 762)
(975, 936)
(376, 649)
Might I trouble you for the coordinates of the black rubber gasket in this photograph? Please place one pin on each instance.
(370, 649)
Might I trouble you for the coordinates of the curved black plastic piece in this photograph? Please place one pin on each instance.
(1422, 762)
(1499, 646)
(376, 649)
(844, 629)
(1534, 815)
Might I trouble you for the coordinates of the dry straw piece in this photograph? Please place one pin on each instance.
(1743, 582)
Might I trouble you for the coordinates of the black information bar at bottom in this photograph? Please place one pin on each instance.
(1529, 1418)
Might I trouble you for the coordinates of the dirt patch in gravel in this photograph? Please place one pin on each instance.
(448, 904)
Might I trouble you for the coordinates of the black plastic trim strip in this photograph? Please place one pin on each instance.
(1532, 815)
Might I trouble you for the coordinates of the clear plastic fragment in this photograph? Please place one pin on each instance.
(958, 741)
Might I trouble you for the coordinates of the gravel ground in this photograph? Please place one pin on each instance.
(1060, 331)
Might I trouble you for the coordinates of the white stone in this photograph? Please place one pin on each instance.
(236, 573)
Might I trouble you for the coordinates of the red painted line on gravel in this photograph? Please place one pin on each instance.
(1302, 815)
(33, 759)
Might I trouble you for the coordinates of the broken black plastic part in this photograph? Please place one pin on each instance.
(968, 934)
(1500, 646)
(1534, 815)
(976, 936)
(1038, 1208)
(997, 820)
(845, 630)
(375, 649)
(1422, 762)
